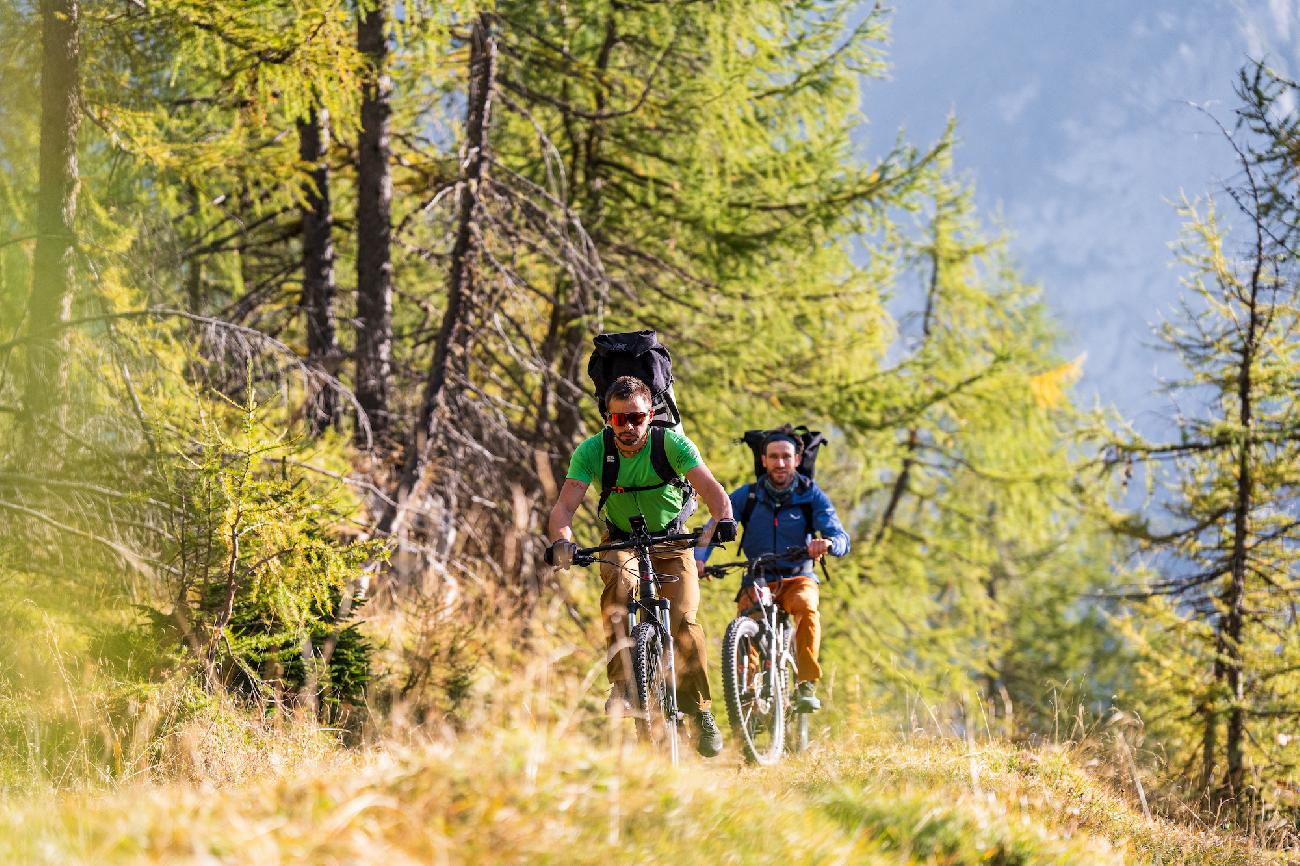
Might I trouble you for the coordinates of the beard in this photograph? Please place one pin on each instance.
(628, 439)
(781, 479)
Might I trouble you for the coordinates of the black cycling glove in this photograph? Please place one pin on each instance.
(724, 532)
(560, 553)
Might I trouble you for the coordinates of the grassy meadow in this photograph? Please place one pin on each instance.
(542, 788)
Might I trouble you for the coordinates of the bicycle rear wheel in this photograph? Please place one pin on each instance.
(755, 700)
(656, 721)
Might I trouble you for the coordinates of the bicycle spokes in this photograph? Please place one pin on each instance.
(753, 691)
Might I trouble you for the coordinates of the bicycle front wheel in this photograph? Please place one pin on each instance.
(656, 718)
(755, 694)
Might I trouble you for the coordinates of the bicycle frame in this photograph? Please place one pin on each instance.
(658, 610)
(775, 627)
(759, 671)
(647, 606)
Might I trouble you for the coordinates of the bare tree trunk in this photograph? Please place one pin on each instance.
(50, 302)
(1235, 738)
(374, 228)
(462, 278)
(194, 262)
(1209, 743)
(1235, 597)
(318, 270)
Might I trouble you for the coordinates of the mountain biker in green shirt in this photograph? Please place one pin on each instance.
(640, 490)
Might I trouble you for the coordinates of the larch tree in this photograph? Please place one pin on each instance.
(194, 108)
(975, 521)
(453, 341)
(1223, 549)
(636, 171)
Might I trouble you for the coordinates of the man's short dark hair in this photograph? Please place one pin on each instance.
(784, 433)
(628, 388)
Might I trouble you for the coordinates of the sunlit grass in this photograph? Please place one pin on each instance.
(529, 795)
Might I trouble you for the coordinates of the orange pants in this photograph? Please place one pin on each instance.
(689, 652)
(798, 595)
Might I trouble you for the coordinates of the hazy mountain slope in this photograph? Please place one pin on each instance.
(1075, 122)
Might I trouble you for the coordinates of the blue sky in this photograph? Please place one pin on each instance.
(1077, 133)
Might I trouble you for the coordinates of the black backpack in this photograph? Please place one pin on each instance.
(811, 441)
(639, 354)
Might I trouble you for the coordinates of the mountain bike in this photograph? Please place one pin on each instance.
(758, 663)
(654, 670)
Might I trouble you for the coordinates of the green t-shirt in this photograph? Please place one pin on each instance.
(659, 506)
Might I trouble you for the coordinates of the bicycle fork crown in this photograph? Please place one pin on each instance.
(635, 606)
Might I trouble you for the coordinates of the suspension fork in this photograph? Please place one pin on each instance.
(661, 610)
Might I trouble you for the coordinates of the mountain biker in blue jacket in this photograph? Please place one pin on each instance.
(784, 503)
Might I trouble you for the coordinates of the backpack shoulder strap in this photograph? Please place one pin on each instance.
(751, 497)
(812, 529)
(747, 511)
(804, 484)
(608, 468)
(659, 456)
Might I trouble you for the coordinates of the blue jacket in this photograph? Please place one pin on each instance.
(769, 532)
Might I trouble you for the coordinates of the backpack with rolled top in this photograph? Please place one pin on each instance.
(810, 442)
(639, 354)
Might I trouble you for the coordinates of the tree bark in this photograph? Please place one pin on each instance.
(1209, 744)
(475, 159)
(50, 302)
(374, 228)
(1235, 596)
(318, 271)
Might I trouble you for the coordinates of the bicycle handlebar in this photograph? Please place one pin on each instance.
(586, 555)
(790, 554)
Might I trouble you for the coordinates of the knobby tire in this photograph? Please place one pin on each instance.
(755, 707)
(653, 724)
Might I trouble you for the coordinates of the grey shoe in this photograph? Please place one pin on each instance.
(618, 703)
(805, 697)
(709, 739)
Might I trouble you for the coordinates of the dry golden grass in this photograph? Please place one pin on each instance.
(539, 794)
(533, 774)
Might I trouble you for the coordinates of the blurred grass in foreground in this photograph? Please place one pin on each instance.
(529, 795)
